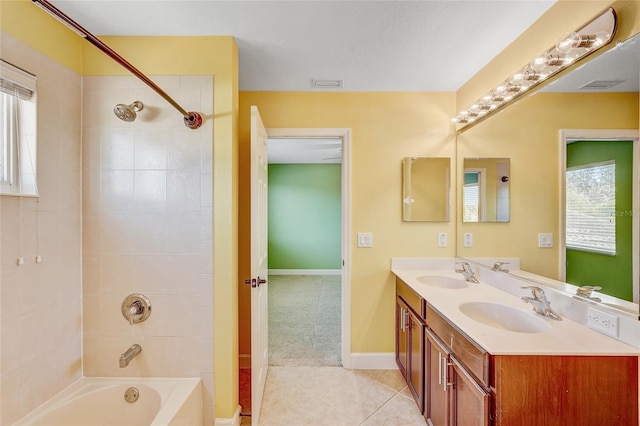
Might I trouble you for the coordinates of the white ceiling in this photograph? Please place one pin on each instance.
(428, 45)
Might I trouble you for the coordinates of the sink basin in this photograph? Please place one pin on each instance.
(504, 317)
(442, 281)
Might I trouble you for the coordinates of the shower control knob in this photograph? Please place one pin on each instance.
(136, 308)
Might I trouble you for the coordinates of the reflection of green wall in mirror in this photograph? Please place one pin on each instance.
(426, 189)
(528, 133)
(612, 273)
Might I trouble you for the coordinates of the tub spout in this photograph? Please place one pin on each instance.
(130, 354)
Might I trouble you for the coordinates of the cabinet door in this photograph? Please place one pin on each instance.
(437, 384)
(472, 402)
(415, 373)
(402, 336)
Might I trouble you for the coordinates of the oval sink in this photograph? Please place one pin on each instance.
(504, 317)
(442, 281)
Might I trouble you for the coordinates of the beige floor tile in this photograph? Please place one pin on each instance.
(398, 411)
(390, 378)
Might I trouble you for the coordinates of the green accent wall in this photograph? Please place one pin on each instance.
(612, 273)
(304, 216)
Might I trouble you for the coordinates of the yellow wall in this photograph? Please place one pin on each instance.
(385, 128)
(34, 27)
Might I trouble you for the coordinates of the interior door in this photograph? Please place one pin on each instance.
(259, 309)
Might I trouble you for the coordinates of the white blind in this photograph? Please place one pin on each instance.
(591, 208)
(16, 82)
(471, 197)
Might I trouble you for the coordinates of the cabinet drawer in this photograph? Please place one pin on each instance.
(473, 357)
(411, 298)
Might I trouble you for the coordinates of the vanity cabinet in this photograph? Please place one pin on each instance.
(410, 341)
(457, 382)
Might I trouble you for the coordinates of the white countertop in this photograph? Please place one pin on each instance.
(564, 337)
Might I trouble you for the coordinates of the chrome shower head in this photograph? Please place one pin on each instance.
(128, 112)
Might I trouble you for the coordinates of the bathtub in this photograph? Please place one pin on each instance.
(100, 401)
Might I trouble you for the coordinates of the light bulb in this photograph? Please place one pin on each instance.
(539, 62)
(568, 42)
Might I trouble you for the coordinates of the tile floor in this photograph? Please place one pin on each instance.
(309, 396)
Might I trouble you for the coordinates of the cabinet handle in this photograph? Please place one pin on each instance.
(439, 367)
(403, 321)
(445, 378)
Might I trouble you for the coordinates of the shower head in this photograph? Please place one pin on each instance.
(128, 112)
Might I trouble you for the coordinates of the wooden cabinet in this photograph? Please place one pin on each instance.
(410, 341)
(457, 382)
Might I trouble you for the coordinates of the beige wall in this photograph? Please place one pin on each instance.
(385, 128)
(147, 217)
(41, 302)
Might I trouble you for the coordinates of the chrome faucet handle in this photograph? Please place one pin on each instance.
(536, 292)
(499, 266)
(586, 290)
(465, 267)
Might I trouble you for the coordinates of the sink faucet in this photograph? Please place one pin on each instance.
(500, 266)
(586, 290)
(541, 304)
(467, 272)
(130, 354)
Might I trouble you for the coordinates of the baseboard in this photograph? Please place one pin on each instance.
(305, 271)
(235, 420)
(373, 361)
(244, 361)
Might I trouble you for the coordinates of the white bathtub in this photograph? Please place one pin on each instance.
(98, 401)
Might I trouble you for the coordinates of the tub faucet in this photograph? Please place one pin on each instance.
(586, 290)
(130, 354)
(467, 272)
(541, 304)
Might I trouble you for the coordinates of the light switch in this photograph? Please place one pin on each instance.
(442, 239)
(545, 240)
(365, 239)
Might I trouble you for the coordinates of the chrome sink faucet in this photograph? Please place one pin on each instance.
(500, 266)
(541, 304)
(586, 290)
(133, 351)
(467, 272)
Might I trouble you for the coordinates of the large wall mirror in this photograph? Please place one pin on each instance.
(591, 104)
(426, 188)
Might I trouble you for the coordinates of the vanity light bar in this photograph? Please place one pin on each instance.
(569, 49)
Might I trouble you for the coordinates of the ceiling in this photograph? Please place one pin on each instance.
(401, 45)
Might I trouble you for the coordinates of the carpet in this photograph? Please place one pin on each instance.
(305, 320)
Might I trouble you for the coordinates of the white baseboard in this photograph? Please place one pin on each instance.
(235, 420)
(373, 361)
(244, 361)
(305, 271)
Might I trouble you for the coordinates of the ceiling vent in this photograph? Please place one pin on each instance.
(600, 84)
(326, 84)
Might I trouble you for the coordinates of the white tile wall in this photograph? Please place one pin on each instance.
(41, 302)
(147, 228)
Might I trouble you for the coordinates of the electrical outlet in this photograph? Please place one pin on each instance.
(468, 239)
(545, 240)
(442, 239)
(605, 323)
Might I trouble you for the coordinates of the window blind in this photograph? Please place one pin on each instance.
(16, 82)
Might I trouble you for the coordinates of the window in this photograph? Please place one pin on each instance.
(17, 131)
(591, 208)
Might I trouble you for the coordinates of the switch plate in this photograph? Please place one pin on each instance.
(442, 239)
(603, 322)
(365, 239)
(545, 240)
(468, 239)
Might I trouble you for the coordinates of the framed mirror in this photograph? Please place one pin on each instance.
(597, 101)
(426, 189)
(485, 190)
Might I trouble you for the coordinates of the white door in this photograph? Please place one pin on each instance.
(259, 309)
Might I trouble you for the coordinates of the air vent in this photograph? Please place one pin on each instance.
(326, 84)
(600, 84)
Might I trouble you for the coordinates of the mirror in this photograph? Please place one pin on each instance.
(426, 188)
(598, 95)
(485, 190)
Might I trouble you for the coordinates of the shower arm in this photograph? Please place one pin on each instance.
(192, 120)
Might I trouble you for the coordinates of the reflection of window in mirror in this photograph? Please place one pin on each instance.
(17, 131)
(485, 190)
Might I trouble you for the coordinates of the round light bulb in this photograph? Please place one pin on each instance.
(568, 42)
